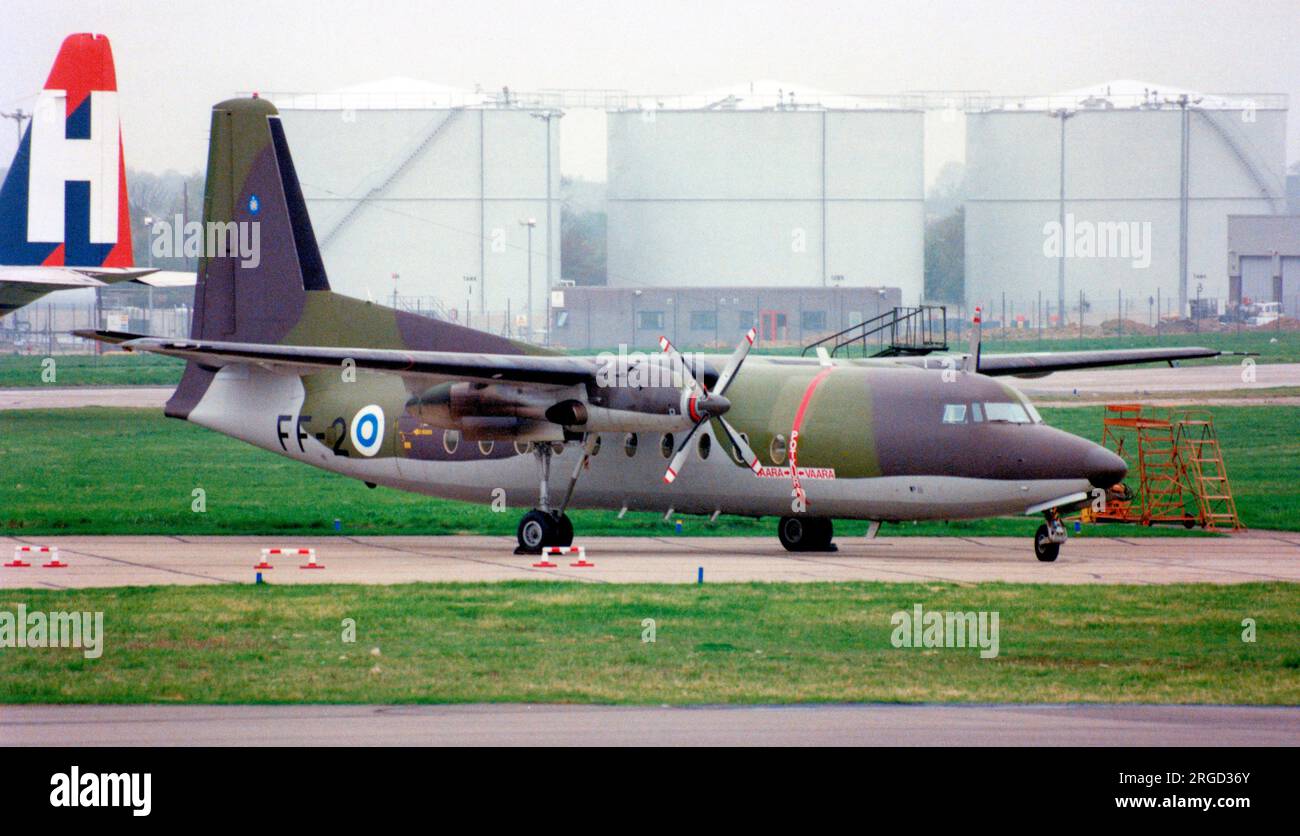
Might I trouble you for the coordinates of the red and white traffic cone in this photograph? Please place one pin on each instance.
(311, 559)
(18, 562)
(266, 558)
(545, 562)
(55, 563)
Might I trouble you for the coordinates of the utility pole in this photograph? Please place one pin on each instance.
(19, 116)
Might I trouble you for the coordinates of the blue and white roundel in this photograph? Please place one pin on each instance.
(368, 430)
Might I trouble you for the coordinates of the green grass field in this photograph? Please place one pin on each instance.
(121, 369)
(727, 643)
(116, 368)
(132, 471)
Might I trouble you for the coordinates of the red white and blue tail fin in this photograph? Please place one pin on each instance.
(64, 201)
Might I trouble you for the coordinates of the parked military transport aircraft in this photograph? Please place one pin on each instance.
(64, 221)
(278, 360)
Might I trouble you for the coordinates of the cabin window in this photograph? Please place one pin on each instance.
(595, 446)
(450, 441)
(1011, 413)
(629, 445)
(523, 447)
(485, 447)
(667, 446)
(776, 450)
(735, 451)
(954, 413)
(705, 445)
(976, 412)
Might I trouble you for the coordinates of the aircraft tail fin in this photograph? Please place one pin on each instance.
(262, 279)
(260, 253)
(64, 201)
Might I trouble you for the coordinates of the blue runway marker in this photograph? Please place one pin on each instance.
(259, 578)
(700, 577)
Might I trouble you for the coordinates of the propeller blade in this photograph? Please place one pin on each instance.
(695, 386)
(733, 365)
(739, 443)
(679, 460)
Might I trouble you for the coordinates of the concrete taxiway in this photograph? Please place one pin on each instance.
(571, 725)
(140, 561)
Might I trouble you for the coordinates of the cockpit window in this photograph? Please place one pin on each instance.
(954, 413)
(1012, 413)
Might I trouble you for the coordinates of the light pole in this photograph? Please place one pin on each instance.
(546, 117)
(1062, 114)
(530, 223)
(396, 276)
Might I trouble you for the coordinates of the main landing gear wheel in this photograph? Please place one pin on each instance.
(806, 534)
(1044, 549)
(540, 529)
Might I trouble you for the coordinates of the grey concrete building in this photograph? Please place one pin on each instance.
(1264, 260)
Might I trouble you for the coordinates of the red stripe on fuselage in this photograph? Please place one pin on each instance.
(807, 397)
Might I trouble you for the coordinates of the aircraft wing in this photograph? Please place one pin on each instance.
(1040, 365)
(46, 278)
(442, 365)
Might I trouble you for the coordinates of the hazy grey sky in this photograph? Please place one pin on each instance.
(174, 60)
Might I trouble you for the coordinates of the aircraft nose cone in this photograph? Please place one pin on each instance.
(1103, 468)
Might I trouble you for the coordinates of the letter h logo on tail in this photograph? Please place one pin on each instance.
(64, 202)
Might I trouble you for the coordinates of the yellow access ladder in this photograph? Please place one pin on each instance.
(1207, 472)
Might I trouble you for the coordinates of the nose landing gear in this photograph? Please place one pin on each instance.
(1049, 537)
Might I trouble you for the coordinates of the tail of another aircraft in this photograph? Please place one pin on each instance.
(262, 279)
(64, 202)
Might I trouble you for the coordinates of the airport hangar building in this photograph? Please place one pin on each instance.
(805, 208)
(796, 211)
(422, 194)
(1150, 174)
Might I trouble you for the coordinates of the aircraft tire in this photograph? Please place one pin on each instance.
(1044, 549)
(563, 531)
(536, 531)
(805, 534)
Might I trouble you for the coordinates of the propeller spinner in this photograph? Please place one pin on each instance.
(703, 405)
